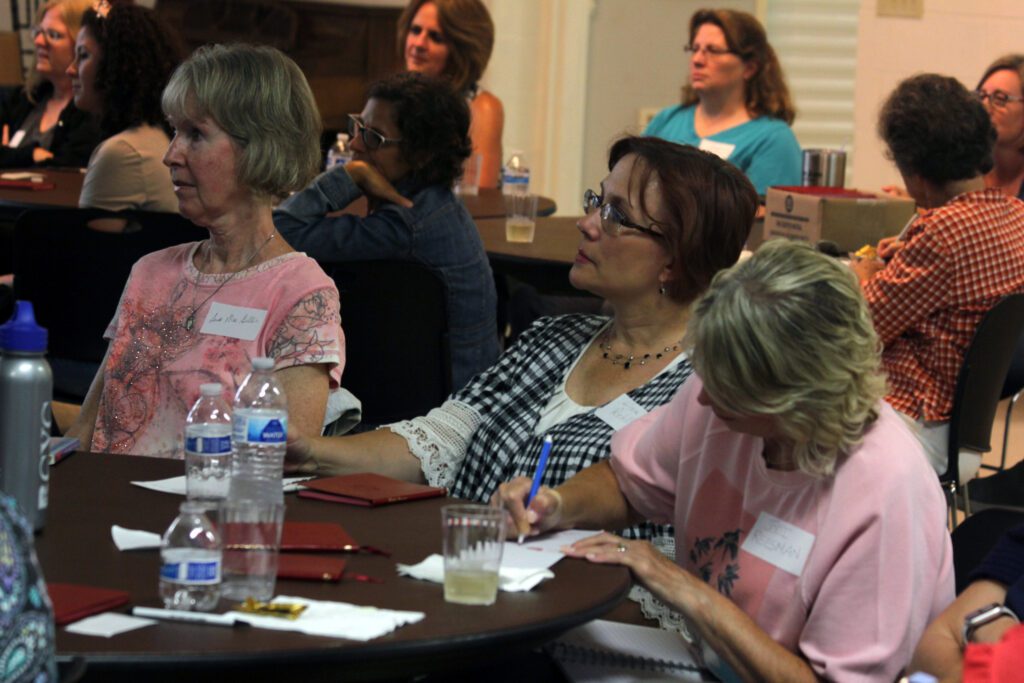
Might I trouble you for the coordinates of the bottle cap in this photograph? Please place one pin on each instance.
(211, 389)
(21, 333)
(262, 363)
(343, 137)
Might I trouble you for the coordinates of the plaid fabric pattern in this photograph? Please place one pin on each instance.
(957, 261)
(510, 397)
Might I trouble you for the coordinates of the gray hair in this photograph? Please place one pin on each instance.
(788, 333)
(261, 99)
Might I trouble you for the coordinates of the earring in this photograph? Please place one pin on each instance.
(661, 289)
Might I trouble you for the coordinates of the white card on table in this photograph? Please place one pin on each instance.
(16, 139)
(780, 543)
(107, 624)
(722, 150)
(620, 412)
(237, 322)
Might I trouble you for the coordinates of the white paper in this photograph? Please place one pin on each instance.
(334, 619)
(620, 412)
(604, 645)
(510, 579)
(107, 624)
(178, 486)
(541, 552)
(16, 139)
(780, 543)
(722, 150)
(23, 175)
(237, 322)
(133, 539)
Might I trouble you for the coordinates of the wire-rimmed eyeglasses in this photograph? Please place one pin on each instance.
(612, 220)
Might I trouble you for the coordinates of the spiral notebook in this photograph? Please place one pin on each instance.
(610, 652)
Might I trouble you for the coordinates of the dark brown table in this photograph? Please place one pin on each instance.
(89, 493)
(543, 263)
(491, 204)
(68, 185)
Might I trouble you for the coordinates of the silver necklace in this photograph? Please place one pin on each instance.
(190, 321)
(626, 360)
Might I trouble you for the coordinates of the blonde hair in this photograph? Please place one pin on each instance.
(469, 31)
(787, 333)
(71, 12)
(259, 97)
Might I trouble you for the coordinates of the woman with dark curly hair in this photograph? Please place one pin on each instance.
(929, 288)
(410, 141)
(736, 104)
(123, 58)
(453, 39)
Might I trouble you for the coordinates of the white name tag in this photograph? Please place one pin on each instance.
(16, 139)
(779, 543)
(620, 412)
(234, 321)
(722, 150)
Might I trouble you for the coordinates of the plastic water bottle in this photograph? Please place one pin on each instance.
(254, 511)
(515, 175)
(190, 561)
(208, 445)
(340, 152)
(26, 390)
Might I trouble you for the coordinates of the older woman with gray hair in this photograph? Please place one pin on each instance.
(246, 131)
(809, 530)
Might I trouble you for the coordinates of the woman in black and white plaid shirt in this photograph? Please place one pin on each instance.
(666, 219)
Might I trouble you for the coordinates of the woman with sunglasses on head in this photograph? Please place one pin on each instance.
(664, 220)
(40, 124)
(736, 104)
(453, 39)
(410, 141)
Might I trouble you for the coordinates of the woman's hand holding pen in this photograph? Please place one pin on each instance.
(528, 518)
(888, 246)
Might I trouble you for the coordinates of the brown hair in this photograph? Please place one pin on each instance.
(71, 12)
(469, 30)
(766, 91)
(709, 207)
(1012, 62)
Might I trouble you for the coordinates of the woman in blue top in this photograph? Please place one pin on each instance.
(736, 104)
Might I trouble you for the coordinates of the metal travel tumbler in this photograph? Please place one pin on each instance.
(26, 389)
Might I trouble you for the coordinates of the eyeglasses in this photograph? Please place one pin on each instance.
(997, 97)
(52, 35)
(612, 220)
(709, 50)
(372, 139)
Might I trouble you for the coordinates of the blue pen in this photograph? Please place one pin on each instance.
(542, 463)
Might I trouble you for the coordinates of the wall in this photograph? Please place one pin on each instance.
(955, 37)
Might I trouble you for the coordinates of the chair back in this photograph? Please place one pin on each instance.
(980, 382)
(74, 276)
(397, 355)
(976, 536)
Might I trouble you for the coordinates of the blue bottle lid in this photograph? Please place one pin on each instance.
(21, 333)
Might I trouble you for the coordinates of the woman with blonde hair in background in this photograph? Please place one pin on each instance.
(736, 103)
(454, 39)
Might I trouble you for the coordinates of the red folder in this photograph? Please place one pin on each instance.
(72, 602)
(310, 567)
(316, 537)
(25, 185)
(367, 489)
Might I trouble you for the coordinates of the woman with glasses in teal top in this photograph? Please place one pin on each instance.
(736, 104)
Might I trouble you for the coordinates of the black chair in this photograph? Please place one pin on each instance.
(978, 389)
(397, 354)
(976, 536)
(74, 277)
(1012, 389)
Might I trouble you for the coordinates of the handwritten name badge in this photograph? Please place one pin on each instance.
(722, 150)
(237, 322)
(620, 412)
(779, 543)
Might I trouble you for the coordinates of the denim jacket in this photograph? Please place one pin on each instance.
(437, 232)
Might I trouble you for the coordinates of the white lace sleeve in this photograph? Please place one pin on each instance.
(440, 439)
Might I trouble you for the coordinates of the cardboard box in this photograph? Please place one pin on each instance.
(849, 218)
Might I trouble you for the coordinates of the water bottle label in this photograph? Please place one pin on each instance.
(260, 429)
(515, 179)
(208, 445)
(192, 573)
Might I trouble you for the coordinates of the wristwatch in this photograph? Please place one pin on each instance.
(985, 615)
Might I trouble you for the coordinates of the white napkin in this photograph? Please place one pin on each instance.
(177, 484)
(511, 579)
(134, 539)
(335, 619)
(107, 624)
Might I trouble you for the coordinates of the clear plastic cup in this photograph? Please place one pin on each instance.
(474, 537)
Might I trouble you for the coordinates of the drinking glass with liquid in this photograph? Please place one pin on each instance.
(473, 537)
(520, 217)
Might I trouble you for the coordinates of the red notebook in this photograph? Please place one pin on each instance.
(72, 602)
(325, 537)
(367, 489)
(310, 567)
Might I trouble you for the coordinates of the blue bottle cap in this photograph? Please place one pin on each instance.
(21, 333)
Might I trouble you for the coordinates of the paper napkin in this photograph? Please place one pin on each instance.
(177, 484)
(335, 619)
(511, 579)
(134, 539)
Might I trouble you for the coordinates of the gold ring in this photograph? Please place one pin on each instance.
(621, 548)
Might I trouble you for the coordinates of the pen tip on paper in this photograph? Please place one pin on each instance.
(521, 537)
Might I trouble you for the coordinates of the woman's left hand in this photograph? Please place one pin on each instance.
(650, 567)
(373, 183)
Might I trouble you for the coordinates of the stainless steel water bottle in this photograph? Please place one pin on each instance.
(26, 389)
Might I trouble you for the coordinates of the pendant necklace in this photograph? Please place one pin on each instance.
(190, 321)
